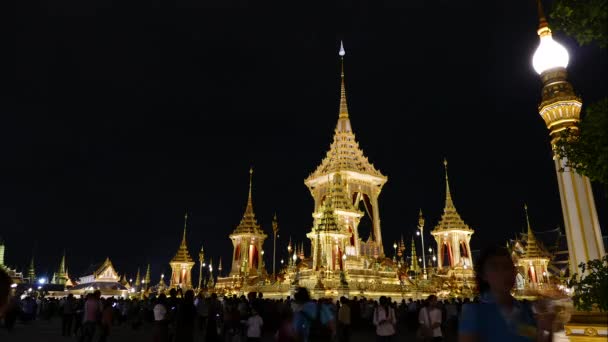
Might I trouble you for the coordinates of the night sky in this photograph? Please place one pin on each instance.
(119, 118)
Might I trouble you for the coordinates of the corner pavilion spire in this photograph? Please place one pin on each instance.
(181, 264)
(248, 223)
(450, 219)
(182, 255)
(532, 248)
(452, 234)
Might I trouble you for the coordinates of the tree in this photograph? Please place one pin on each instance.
(586, 150)
(584, 20)
(590, 289)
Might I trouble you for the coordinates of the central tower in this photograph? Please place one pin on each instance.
(359, 179)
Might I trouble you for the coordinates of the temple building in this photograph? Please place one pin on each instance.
(181, 264)
(247, 241)
(102, 277)
(531, 258)
(362, 182)
(452, 236)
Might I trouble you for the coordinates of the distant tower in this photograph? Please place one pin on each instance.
(560, 109)
(138, 279)
(363, 182)
(31, 272)
(182, 263)
(452, 235)
(61, 276)
(1, 252)
(414, 267)
(247, 241)
(147, 277)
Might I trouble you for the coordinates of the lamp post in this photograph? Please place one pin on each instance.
(201, 263)
(421, 233)
(275, 230)
(394, 252)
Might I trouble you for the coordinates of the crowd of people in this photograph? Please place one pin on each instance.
(181, 316)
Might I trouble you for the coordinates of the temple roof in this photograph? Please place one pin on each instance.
(450, 219)
(344, 153)
(248, 224)
(533, 248)
(182, 254)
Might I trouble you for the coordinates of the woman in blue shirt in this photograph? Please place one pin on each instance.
(498, 316)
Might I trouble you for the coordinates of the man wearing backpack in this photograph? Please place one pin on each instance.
(313, 322)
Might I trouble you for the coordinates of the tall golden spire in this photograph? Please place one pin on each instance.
(248, 223)
(532, 248)
(182, 254)
(450, 219)
(343, 106)
(343, 120)
(185, 227)
(448, 194)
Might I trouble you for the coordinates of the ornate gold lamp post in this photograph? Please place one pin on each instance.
(201, 264)
(275, 230)
(421, 233)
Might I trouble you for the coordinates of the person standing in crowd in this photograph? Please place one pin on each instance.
(186, 314)
(344, 320)
(69, 309)
(92, 313)
(161, 329)
(384, 319)
(451, 317)
(106, 319)
(429, 319)
(254, 326)
(214, 321)
(202, 311)
(308, 314)
(498, 317)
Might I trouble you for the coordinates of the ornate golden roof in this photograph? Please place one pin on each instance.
(248, 224)
(450, 219)
(344, 153)
(327, 222)
(182, 254)
(533, 249)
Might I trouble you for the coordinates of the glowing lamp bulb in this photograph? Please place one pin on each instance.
(342, 51)
(417, 233)
(549, 54)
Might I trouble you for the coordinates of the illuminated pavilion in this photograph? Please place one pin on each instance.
(452, 235)
(181, 264)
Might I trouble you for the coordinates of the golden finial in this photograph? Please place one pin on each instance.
(420, 219)
(448, 193)
(185, 226)
(542, 20)
(527, 218)
(275, 224)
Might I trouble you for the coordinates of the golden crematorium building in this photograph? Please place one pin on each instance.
(345, 187)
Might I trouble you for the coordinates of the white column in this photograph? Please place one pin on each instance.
(580, 217)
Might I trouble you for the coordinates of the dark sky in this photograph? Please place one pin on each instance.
(122, 117)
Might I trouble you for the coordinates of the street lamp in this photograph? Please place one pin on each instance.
(201, 264)
(394, 251)
(421, 233)
(275, 230)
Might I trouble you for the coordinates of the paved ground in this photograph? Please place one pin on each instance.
(50, 331)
